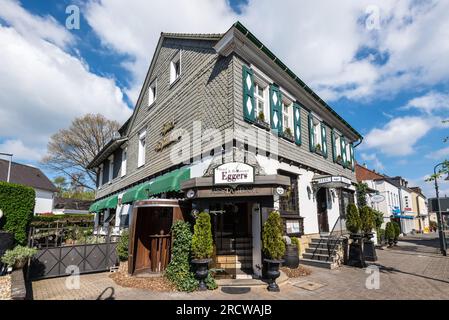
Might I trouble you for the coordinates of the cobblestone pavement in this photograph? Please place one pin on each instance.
(413, 270)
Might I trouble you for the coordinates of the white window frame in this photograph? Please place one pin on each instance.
(174, 60)
(152, 92)
(124, 161)
(287, 111)
(100, 177)
(111, 169)
(337, 145)
(141, 148)
(263, 99)
(317, 131)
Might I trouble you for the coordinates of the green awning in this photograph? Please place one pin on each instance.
(136, 193)
(170, 181)
(107, 203)
(94, 207)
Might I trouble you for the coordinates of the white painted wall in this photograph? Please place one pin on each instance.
(44, 201)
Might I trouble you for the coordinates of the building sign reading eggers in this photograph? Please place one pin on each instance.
(234, 173)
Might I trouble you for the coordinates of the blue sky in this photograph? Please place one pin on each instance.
(382, 65)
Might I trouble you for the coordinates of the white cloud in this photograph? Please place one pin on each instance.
(399, 136)
(439, 154)
(134, 27)
(34, 26)
(319, 40)
(42, 87)
(373, 159)
(432, 101)
(20, 151)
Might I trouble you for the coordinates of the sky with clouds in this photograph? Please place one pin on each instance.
(382, 65)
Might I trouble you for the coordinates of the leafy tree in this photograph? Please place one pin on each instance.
(60, 184)
(353, 222)
(272, 243)
(71, 150)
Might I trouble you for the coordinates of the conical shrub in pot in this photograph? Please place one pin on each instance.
(390, 233)
(368, 223)
(353, 221)
(353, 224)
(273, 248)
(397, 231)
(202, 248)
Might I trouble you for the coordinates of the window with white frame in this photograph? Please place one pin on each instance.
(141, 152)
(175, 67)
(111, 168)
(124, 159)
(100, 176)
(261, 97)
(337, 146)
(348, 152)
(287, 115)
(317, 132)
(152, 92)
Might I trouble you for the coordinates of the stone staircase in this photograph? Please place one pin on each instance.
(239, 263)
(318, 255)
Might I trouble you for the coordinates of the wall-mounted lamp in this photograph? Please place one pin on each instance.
(309, 192)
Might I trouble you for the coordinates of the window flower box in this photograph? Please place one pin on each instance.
(287, 135)
(318, 149)
(261, 123)
(339, 160)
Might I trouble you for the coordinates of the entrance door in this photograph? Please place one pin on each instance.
(231, 221)
(321, 200)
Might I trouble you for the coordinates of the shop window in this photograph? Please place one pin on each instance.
(288, 202)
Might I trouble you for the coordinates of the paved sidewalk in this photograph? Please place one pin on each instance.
(413, 270)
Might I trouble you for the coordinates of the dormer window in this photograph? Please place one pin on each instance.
(152, 92)
(175, 67)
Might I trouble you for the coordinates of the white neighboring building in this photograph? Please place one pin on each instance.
(31, 177)
(391, 203)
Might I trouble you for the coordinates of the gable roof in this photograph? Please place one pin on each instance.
(363, 173)
(217, 37)
(25, 175)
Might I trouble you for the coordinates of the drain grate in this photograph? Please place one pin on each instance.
(309, 285)
(235, 290)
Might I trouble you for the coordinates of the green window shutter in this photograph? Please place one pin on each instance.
(249, 113)
(311, 136)
(343, 151)
(275, 109)
(351, 150)
(323, 140)
(334, 147)
(297, 123)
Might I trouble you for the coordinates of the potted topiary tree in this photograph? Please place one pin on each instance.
(353, 224)
(390, 233)
(367, 217)
(273, 248)
(397, 232)
(202, 248)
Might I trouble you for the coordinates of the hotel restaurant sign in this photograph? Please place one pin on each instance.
(233, 173)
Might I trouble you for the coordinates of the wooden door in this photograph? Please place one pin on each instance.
(321, 200)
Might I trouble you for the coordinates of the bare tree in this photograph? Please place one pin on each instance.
(71, 150)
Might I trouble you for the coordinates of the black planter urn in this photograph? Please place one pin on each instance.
(291, 257)
(273, 273)
(369, 249)
(201, 272)
(356, 258)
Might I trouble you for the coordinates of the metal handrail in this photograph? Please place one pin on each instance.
(341, 222)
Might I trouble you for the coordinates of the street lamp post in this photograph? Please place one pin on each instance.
(443, 247)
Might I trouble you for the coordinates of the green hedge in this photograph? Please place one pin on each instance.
(17, 203)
